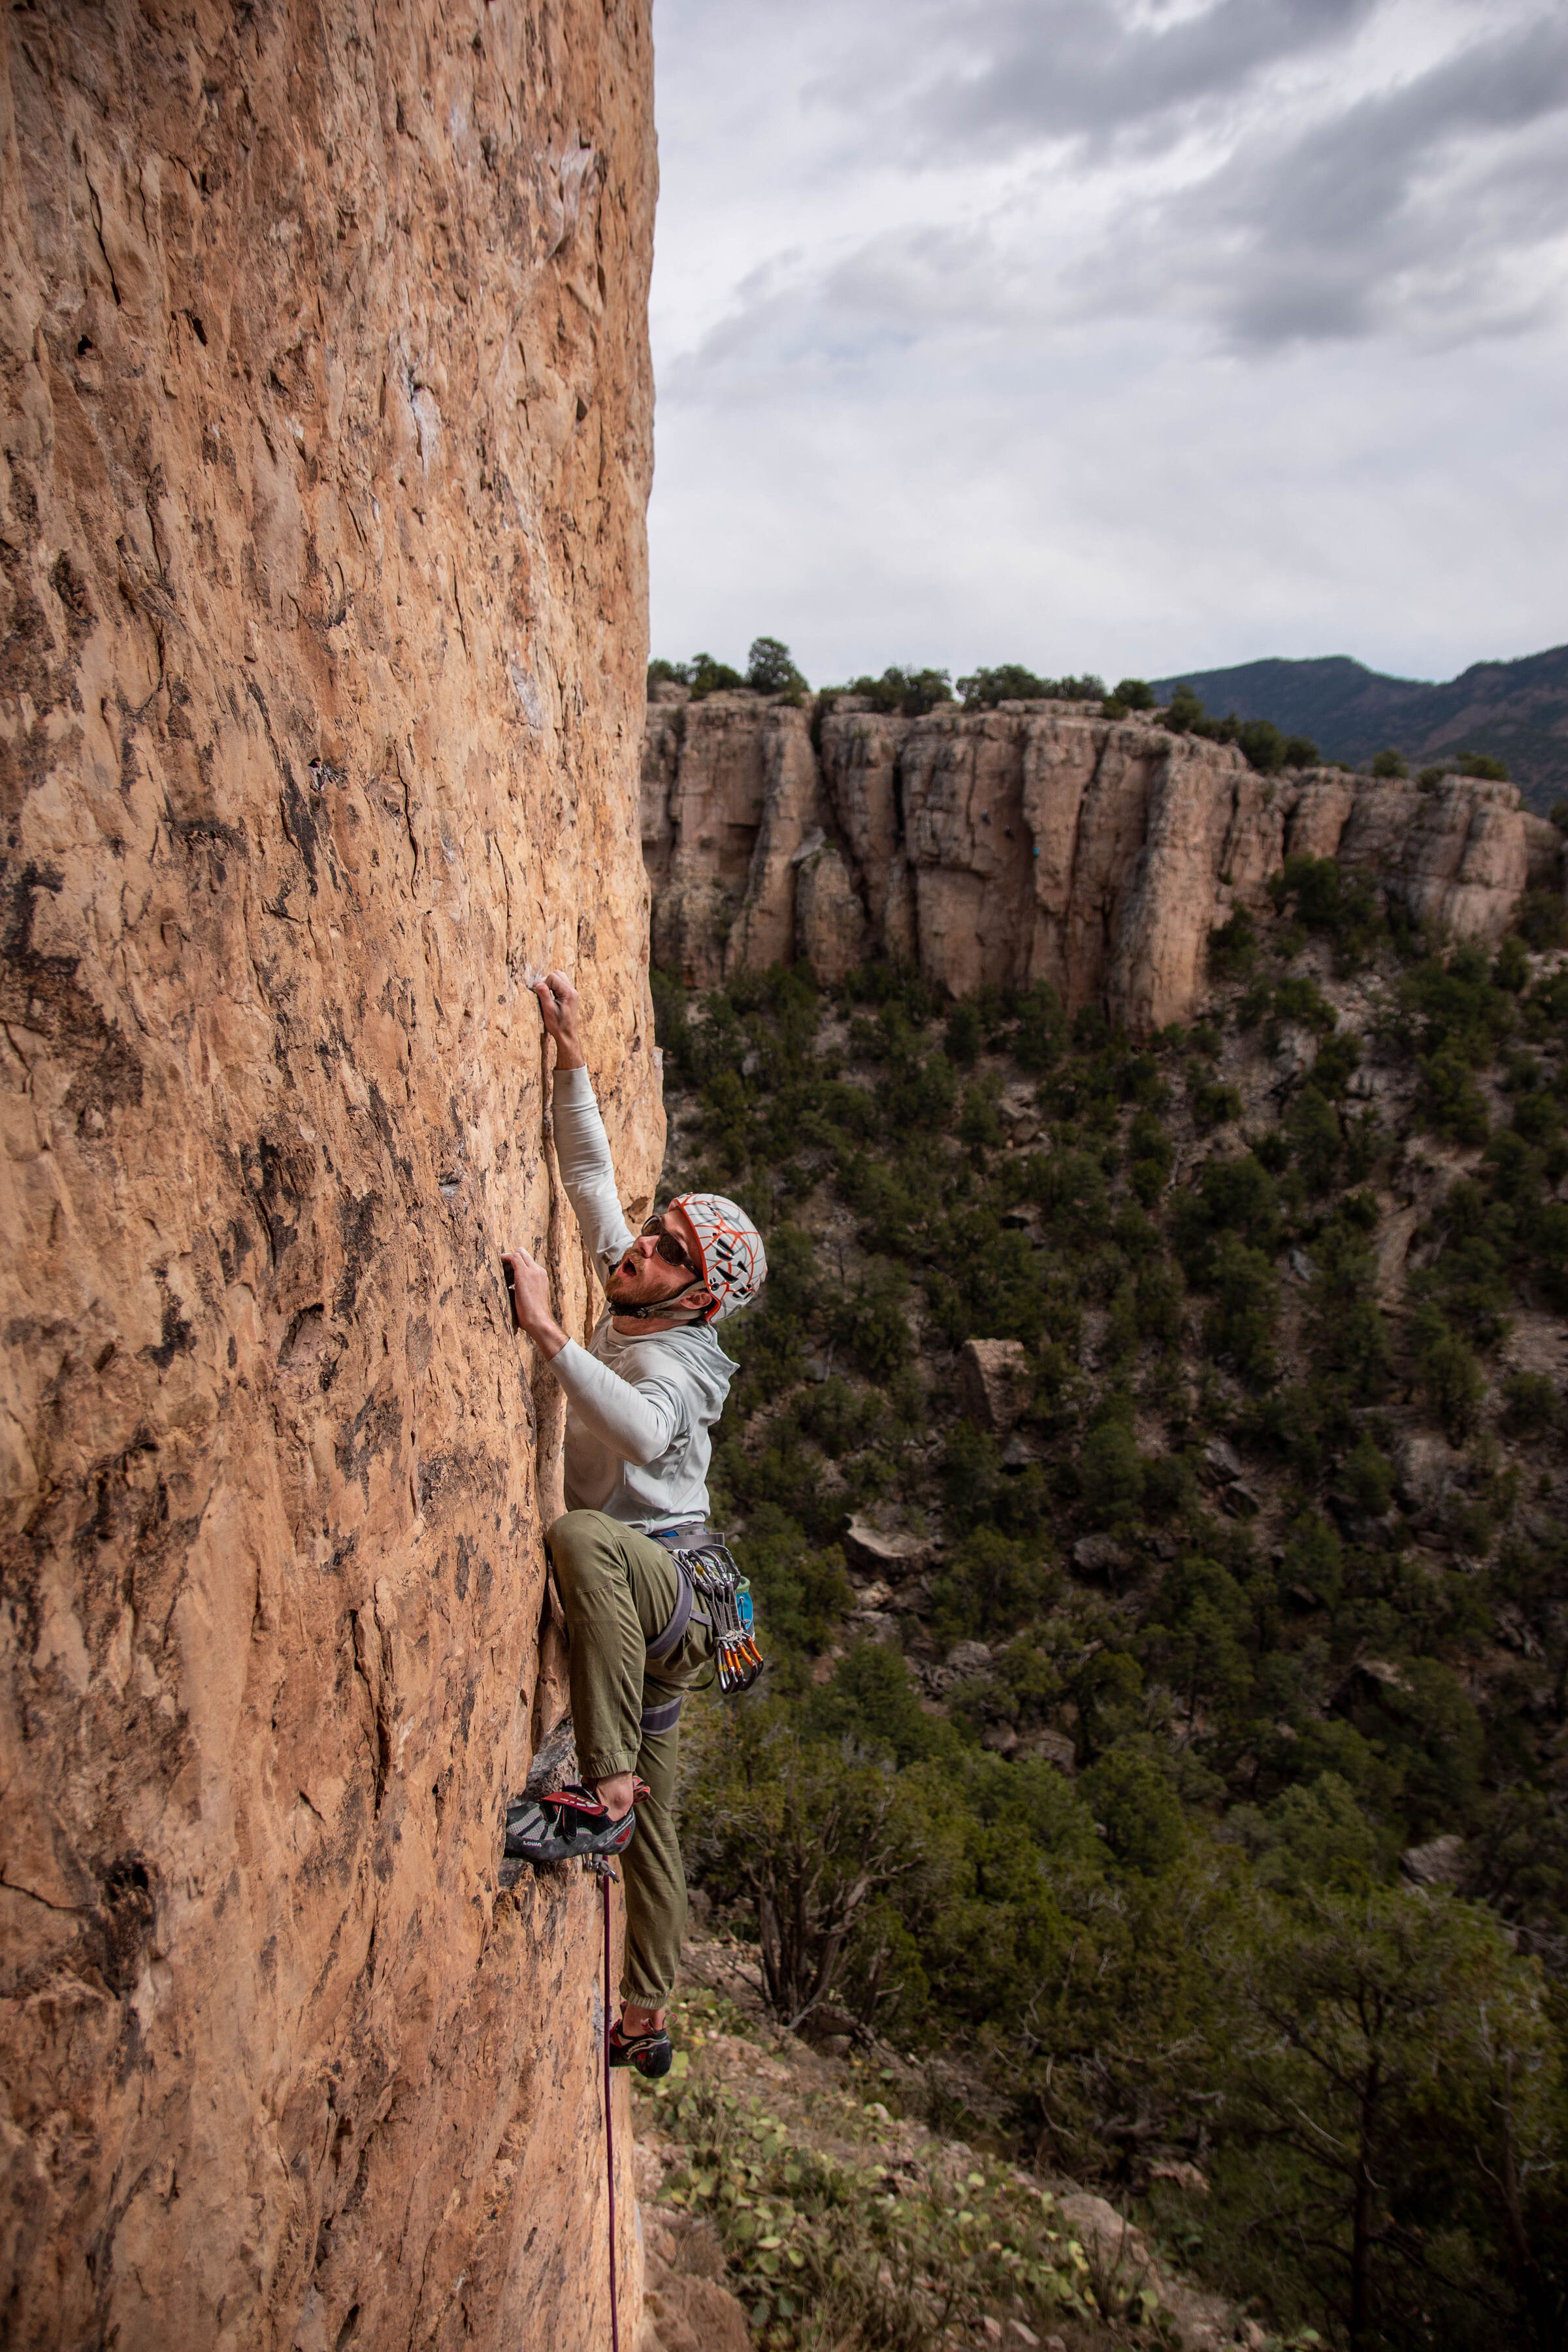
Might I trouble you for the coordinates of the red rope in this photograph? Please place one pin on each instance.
(609, 2127)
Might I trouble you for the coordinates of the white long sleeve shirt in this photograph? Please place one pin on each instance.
(640, 1409)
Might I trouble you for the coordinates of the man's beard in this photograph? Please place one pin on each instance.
(640, 1289)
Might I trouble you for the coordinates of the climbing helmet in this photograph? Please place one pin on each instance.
(734, 1264)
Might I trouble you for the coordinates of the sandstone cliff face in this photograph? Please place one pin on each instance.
(1035, 842)
(326, 452)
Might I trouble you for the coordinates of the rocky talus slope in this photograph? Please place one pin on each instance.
(1040, 841)
(326, 450)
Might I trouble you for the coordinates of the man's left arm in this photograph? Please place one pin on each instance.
(581, 1147)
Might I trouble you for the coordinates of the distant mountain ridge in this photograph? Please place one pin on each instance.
(1517, 710)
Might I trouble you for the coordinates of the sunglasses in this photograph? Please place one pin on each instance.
(670, 1249)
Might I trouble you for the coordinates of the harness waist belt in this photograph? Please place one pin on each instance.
(677, 1539)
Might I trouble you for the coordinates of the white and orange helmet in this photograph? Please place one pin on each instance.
(734, 1263)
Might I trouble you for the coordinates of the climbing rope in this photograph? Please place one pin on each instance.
(606, 1876)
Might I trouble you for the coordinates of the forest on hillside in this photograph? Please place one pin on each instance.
(1184, 1749)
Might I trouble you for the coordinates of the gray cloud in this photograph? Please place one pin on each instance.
(1411, 210)
(986, 330)
(1082, 69)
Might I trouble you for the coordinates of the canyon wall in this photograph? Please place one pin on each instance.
(326, 450)
(1040, 841)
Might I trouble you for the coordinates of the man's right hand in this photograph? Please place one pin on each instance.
(530, 1298)
(558, 1001)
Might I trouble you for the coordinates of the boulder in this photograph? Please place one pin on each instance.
(995, 1382)
(1439, 1862)
(1055, 1747)
(873, 1552)
(1423, 1466)
(1099, 1555)
(685, 2306)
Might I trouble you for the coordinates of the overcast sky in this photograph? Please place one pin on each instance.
(1127, 335)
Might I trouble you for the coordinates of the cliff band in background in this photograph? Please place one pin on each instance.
(327, 447)
(1039, 841)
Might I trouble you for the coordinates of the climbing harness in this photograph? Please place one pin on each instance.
(569, 1824)
(713, 1591)
(607, 1873)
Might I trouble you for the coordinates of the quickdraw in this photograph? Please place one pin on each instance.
(725, 1596)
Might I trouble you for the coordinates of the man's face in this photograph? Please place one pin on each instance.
(646, 1273)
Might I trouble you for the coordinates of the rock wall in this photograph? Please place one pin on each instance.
(326, 443)
(1039, 841)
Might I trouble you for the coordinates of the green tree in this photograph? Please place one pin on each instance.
(814, 1839)
(1239, 1327)
(1131, 1797)
(770, 668)
(1448, 1376)
(1390, 2074)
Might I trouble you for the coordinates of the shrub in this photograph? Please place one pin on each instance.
(1542, 920)
(1389, 763)
(1214, 1105)
(1450, 1102)
(965, 1035)
(1367, 1477)
(912, 692)
(1111, 1471)
(1185, 711)
(1135, 693)
(871, 1322)
(1430, 778)
(1263, 745)
(1301, 752)
(1487, 769)
(1041, 1033)
(1232, 947)
(1531, 1406)
(979, 1120)
(982, 690)
(1313, 1129)
(705, 676)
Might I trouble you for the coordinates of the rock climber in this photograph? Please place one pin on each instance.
(641, 1401)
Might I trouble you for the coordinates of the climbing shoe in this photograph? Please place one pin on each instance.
(651, 2054)
(569, 1824)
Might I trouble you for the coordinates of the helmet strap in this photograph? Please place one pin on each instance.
(659, 1310)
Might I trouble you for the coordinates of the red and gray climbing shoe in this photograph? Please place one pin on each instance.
(568, 1825)
(651, 2054)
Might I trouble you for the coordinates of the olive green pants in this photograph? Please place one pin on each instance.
(619, 1589)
